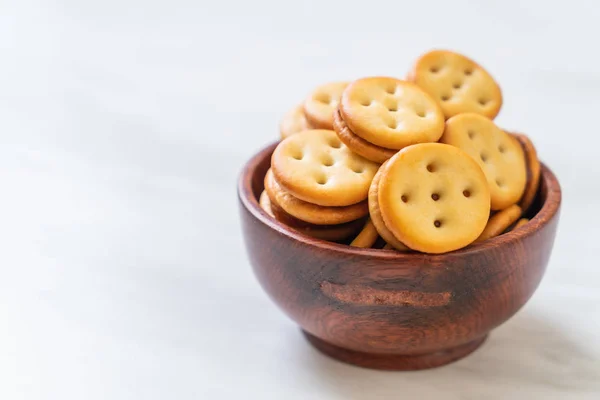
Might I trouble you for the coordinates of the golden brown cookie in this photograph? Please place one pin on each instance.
(293, 122)
(265, 203)
(391, 113)
(500, 157)
(376, 217)
(458, 83)
(520, 223)
(308, 212)
(367, 236)
(500, 222)
(320, 104)
(315, 166)
(533, 171)
(359, 145)
(388, 247)
(333, 233)
(434, 198)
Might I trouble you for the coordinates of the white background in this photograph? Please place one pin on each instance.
(123, 126)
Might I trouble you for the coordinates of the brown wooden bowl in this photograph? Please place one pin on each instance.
(388, 310)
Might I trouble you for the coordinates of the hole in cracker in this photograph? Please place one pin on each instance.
(327, 160)
(404, 198)
(437, 223)
(335, 143)
(467, 193)
(298, 155)
(435, 197)
(390, 89)
(430, 167)
(501, 149)
(365, 102)
(469, 71)
(393, 108)
(392, 124)
(445, 97)
(357, 169)
(483, 101)
(321, 179)
(323, 98)
(421, 113)
(434, 69)
(471, 134)
(483, 157)
(499, 183)
(457, 85)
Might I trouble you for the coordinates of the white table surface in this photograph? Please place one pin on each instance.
(123, 126)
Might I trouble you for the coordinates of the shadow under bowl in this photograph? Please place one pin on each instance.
(389, 310)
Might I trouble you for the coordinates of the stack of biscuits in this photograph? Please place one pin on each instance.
(318, 186)
(414, 164)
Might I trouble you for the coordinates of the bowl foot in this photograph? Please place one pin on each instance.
(395, 362)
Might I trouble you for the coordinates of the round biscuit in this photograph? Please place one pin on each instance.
(367, 236)
(315, 166)
(359, 145)
(376, 217)
(321, 103)
(293, 122)
(332, 233)
(496, 152)
(391, 113)
(458, 83)
(434, 198)
(308, 212)
(533, 170)
(500, 222)
(265, 203)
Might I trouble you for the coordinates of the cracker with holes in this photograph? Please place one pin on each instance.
(376, 217)
(458, 83)
(315, 166)
(498, 154)
(533, 170)
(380, 115)
(357, 144)
(308, 212)
(293, 121)
(434, 198)
(321, 103)
(500, 222)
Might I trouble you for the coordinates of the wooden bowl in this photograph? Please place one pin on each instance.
(388, 310)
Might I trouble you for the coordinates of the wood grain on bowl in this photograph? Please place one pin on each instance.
(392, 310)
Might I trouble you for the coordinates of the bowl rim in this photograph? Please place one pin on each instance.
(246, 196)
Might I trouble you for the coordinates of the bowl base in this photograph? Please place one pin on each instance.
(395, 362)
